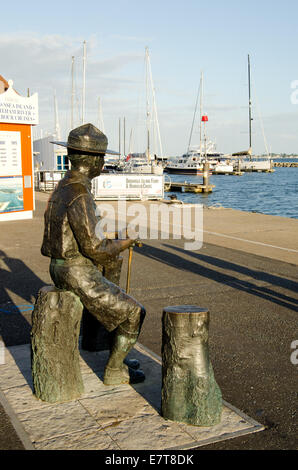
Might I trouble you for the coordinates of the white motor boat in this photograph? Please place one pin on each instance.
(221, 167)
(141, 166)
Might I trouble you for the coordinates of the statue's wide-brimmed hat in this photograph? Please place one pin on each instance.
(87, 138)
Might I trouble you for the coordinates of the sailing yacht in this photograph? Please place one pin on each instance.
(192, 162)
(146, 162)
(140, 164)
(246, 161)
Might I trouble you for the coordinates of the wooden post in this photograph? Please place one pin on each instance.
(206, 177)
(238, 171)
(55, 355)
(190, 393)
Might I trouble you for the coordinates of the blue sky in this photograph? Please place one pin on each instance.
(184, 39)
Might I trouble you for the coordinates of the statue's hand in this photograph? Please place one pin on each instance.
(128, 242)
(122, 245)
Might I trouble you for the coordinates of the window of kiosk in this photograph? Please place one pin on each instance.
(65, 162)
(59, 162)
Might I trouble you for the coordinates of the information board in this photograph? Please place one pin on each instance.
(10, 153)
(128, 186)
(17, 115)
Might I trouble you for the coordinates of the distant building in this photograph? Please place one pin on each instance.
(3, 84)
(49, 157)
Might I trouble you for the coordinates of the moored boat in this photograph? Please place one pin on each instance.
(191, 163)
(221, 167)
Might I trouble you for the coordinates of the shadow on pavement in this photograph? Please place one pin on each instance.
(180, 262)
(19, 280)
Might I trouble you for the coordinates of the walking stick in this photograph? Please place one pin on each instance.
(136, 243)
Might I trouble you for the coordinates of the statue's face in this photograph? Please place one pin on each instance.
(89, 165)
(95, 166)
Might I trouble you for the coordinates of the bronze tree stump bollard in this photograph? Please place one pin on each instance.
(55, 354)
(190, 393)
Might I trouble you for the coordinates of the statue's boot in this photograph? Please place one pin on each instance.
(132, 363)
(116, 371)
(122, 375)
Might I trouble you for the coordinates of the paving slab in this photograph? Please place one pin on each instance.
(121, 417)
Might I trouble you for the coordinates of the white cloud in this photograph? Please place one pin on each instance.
(42, 64)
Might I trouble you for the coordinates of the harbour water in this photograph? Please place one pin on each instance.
(268, 193)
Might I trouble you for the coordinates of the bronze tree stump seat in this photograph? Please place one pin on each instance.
(56, 321)
(190, 393)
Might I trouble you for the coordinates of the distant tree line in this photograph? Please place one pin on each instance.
(281, 155)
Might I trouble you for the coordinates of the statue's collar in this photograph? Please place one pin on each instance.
(76, 176)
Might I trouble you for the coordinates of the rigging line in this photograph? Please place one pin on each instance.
(261, 120)
(67, 112)
(78, 106)
(135, 141)
(66, 108)
(194, 116)
(155, 107)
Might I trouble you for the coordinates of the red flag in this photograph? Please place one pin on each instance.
(204, 118)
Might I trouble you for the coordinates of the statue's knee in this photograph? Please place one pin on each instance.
(142, 315)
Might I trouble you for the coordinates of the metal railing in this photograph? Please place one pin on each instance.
(47, 180)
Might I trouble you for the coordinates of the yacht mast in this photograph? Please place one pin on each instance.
(149, 81)
(100, 117)
(155, 109)
(194, 115)
(119, 139)
(130, 142)
(201, 112)
(57, 124)
(249, 106)
(124, 136)
(147, 103)
(84, 83)
(72, 94)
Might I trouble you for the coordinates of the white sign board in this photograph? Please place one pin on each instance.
(18, 109)
(10, 153)
(128, 186)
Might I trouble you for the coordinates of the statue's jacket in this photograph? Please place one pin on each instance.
(78, 254)
(70, 222)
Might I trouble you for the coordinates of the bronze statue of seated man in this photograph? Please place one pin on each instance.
(77, 254)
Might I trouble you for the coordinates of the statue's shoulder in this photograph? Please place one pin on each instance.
(69, 189)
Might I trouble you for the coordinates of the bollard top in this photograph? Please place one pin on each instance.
(185, 309)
